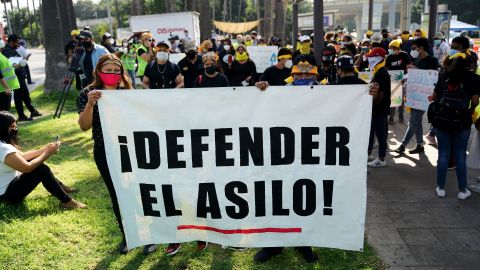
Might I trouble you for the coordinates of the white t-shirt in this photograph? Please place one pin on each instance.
(7, 173)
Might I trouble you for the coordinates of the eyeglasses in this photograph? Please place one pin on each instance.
(150, 39)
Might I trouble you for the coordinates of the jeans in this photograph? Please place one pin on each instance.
(448, 142)
(400, 112)
(5, 101)
(379, 128)
(415, 127)
(132, 76)
(24, 184)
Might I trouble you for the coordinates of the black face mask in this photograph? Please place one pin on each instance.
(191, 55)
(211, 70)
(385, 35)
(211, 50)
(87, 44)
(13, 136)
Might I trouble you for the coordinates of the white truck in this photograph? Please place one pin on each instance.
(165, 25)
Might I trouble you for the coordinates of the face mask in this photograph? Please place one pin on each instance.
(437, 42)
(304, 82)
(211, 50)
(452, 52)
(327, 58)
(391, 51)
(13, 135)
(110, 41)
(249, 43)
(226, 47)
(125, 44)
(385, 35)
(87, 44)
(241, 56)
(365, 49)
(414, 53)
(289, 64)
(405, 37)
(191, 55)
(211, 70)
(2, 44)
(110, 79)
(305, 48)
(373, 61)
(162, 56)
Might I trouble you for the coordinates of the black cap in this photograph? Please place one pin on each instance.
(345, 62)
(13, 37)
(85, 34)
(162, 44)
(284, 51)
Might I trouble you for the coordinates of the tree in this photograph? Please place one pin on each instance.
(137, 7)
(56, 28)
(205, 21)
(268, 18)
(279, 21)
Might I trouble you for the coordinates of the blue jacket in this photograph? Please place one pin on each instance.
(98, 51)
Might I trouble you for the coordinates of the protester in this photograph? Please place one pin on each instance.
(206, 46)
(145, 53)
(348, 46)
(242, 71)
(327, 71)
(22, 94)
(248, 40)
(440, 48)
(346, 71)
(89, 58)
(212, 76)
(227, 54)
(255, 38)
(381, 107)
(128, 56)
(8, 81)
(421, 60)
(191, 66)
(278, 73)
(108, 42)
(71, 44)
(25, 54)
(161, 73)
(457, 95)
(406, 45)
(306, 50)
(376, 40)
(385, 40)
(109, 74)
(329, 38)
(361, 62)
(21, 172)
(174, 41)
(397, 60)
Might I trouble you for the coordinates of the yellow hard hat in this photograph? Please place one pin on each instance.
(75, 32)
(395, 43)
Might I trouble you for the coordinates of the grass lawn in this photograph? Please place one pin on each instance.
(37, 234)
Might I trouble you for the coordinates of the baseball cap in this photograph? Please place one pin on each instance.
(345, 62)
(190, 46)
(376, 38)
(75, 32)
(377, 51)
(85, 34)
(162, 44)
(304, 38)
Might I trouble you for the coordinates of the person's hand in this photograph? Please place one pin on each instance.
(430, 98)
(411, 66)
(52, 148)
(373, 91)
(262, 85)
(93, 97)
(8, 91)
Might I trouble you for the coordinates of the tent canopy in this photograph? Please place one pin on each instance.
(236, 28)
(461, 26)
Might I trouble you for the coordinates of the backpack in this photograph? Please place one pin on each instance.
(451, 113)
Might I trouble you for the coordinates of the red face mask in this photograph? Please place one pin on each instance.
(110, 79)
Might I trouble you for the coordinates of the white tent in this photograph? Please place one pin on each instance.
(461, 26)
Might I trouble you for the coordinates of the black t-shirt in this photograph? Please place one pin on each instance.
(162, 76)
(239, 72)
(397, 61)
(82, 101)
(88, 67)
(70, 46)
(428, 62)
(204, 81)
(140, 51)
(190, 71)
(470, 83)
(275, 76)
(350, 80)
(383, 79)
(330, 74)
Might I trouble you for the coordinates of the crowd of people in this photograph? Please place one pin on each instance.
(142, 62)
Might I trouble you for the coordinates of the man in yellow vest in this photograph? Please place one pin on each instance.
(8, 81)
(145, 53)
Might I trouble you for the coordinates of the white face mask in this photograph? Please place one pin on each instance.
(226, 47)
(373, 61)
(289, 64)
(414, 53)
(162, 56)
(110, 41)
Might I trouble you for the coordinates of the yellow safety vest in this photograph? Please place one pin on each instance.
(142, 64)
(8, 73)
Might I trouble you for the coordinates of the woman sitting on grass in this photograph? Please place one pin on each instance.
(21, 172)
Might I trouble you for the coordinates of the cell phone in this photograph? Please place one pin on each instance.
(56, 138)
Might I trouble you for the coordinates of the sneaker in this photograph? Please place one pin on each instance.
(266, 254)
(172, 249)
(462, 195)
(24, 119)
(307, 254)
(35, 114)
(147, 249)
(474, 188)
(400, 149)
(72, 204)
(377, 163)
(419, 149)
(431, 139)
(122, 248)
(201, 245)
(440, 192)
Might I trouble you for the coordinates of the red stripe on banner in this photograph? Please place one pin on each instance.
(240, 231)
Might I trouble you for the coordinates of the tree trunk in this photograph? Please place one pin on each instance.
(225, 10)
(171, 6)
(205, 21)
(268, 18)
(137, 7)
(259, 16)
(279, 21)
(55, 33)
(192, 5)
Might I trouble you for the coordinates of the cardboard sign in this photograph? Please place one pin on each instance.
(420, 86)
(263, 56)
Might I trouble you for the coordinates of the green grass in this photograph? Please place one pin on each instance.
(37, 234)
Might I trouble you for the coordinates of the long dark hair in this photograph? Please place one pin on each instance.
(6, 120)
(98, 84)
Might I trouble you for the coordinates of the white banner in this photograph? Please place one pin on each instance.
(176, 57)
(284, 167)
(263, 56)
(420, 85)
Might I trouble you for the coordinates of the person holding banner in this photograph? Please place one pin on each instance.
(328, 72)
(278, 73)
(381, 106)
(162, 73)
(346, 71)
(242, 70)
(191, 65)
(110, 75)
(212, 77)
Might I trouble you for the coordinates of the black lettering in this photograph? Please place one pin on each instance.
(207, 192)
(198, 147)
(277, 198)
(221, 147)
(331, 145)
(276, 134)
(148, 201)
(254, 146)
(153, 149)
(260, 205)
(170, 209)
(308, 145)
(173, 148)
(234, 198)
(125, 162)
(310, 197)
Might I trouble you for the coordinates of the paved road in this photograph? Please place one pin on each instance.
(408, 225)
(37, 67)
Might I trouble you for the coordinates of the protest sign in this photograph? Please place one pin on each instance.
(420, 85)
(396, 77)
(176, 57)
(263, 56)
(285, 167)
